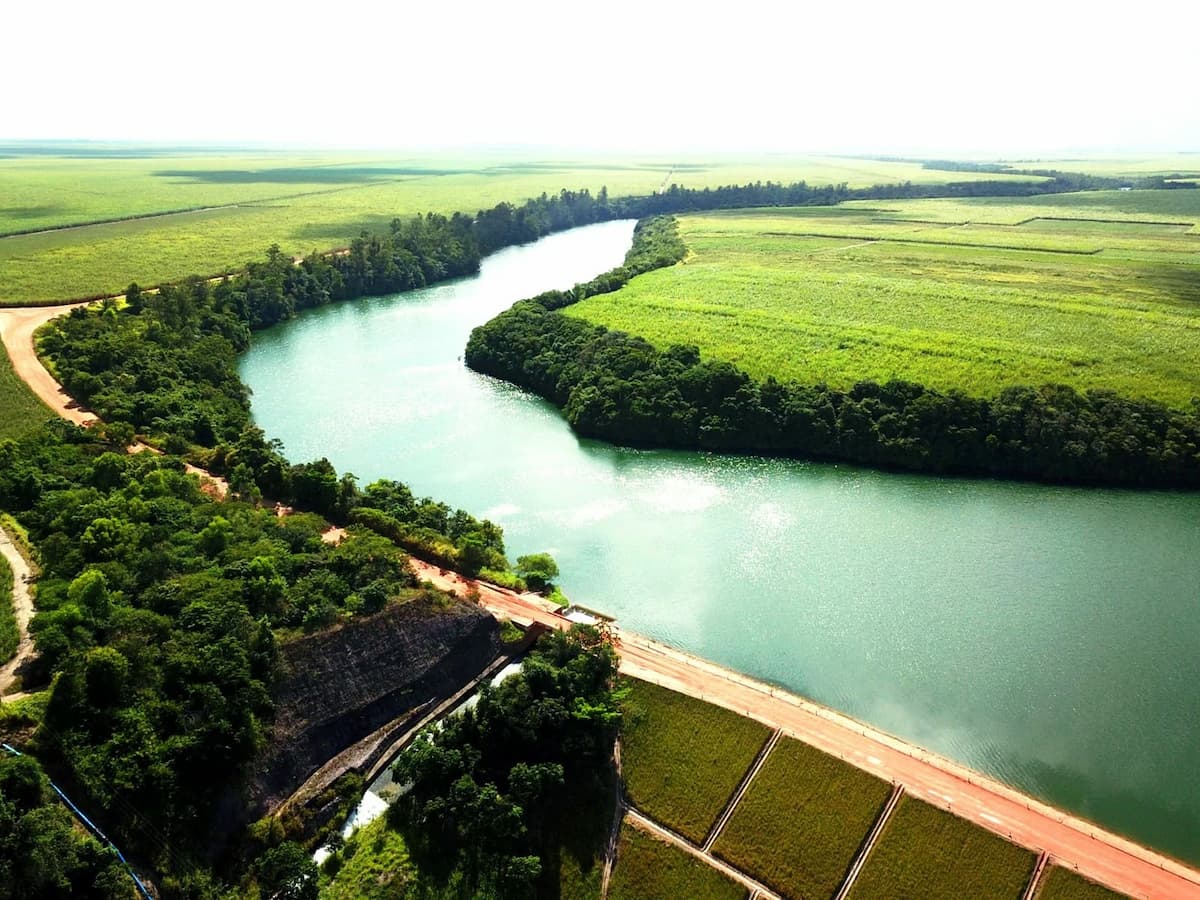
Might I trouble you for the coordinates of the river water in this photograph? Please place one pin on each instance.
(1048, 636)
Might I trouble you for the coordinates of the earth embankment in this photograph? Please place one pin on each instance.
(336, 687)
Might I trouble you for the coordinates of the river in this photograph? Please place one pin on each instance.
(1048, 636)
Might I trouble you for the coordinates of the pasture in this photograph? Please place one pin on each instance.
(650, 869)
(1092, 290)
(927, 854)
(802, 821)
(212, 212)
(683, 758)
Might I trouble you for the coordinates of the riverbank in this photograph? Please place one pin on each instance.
(1073, 842)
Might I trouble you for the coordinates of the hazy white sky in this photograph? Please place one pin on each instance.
(1005, 78)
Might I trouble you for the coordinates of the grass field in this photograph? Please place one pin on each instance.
(649, 869)
(20, 410)
(1187, 164)
(9, 636)
(375, 865)
(1102, 290)
(302, 202)
(683, 758)
(927, 854)
(802, 821)
(1063, 884)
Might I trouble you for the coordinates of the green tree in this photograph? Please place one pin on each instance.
(286, 872)
(538, 570)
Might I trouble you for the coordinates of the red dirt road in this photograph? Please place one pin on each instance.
(1071, 842)
(16, 329)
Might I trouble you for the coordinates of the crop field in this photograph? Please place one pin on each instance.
(649, 869)
(1186, 164)
(1097, 290)
(683, 758)
(927, 854)
(1062, 884)
(20, 410)
(802, 821)
(213, 212)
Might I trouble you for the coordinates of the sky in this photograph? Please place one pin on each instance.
(918, 77)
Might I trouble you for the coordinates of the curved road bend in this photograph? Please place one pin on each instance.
(1071, 842)
(17, 326)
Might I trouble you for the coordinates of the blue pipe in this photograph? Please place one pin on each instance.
(93, 827)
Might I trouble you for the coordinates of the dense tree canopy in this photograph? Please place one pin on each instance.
(494, 788)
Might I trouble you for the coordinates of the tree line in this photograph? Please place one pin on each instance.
(618, 387)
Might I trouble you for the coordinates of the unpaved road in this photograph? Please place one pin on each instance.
(22, 601)
(16, 329)
(1073, 843)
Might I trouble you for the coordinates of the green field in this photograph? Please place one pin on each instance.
(1102, 290)
(650, 869)
(20, 410)
(801, 823)
(1063, 884)
(1187, 164)
(683, 758)
(9, 635)
(927, 854)
(374, 865)
(304, 202)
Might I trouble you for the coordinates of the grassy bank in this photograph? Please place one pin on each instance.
(1063, 884)
(9, 635)
(1100, 291)
(927, 854)
(20, 410)
(801, 822)
(649, 869)
(683, 758)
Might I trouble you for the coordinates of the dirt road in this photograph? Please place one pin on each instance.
(22, 601)
(1074, 843)
(16, 330)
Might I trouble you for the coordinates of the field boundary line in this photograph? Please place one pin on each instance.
(736, 798)
(648, 825)
(1036, 877)
(876, 830)
(928, 243)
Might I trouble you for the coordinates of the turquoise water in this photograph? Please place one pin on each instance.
(1047, 636)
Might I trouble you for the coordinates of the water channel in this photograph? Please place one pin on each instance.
(1048, 636)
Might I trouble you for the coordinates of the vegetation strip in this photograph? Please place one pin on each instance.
(869, 844)
(801, 824)
(927, 854)
(684, 759)
(651, 869)
(741, 789)
(647, 824)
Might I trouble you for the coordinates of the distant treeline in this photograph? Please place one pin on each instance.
(619, 388)
(1139, 182)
